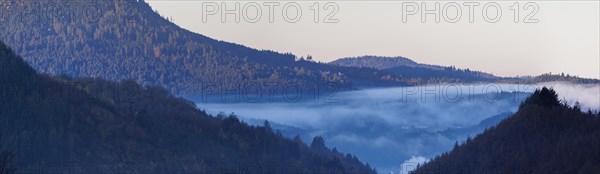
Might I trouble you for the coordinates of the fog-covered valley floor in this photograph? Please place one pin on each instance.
(395, 128)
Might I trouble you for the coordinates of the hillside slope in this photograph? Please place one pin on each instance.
(126, 39)
(376, 62)
(544, 136)
(416, 73)
(413, 73)
(87, 125)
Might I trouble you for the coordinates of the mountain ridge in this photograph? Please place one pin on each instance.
(415, 73)
(88, 38)
(91, 125)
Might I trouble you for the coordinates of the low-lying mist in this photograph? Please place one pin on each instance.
(390, 128)
(588, 95)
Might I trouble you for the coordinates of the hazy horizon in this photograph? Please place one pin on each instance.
(564, 31)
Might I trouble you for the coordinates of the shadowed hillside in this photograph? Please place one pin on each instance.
(544, 136)
(88, 125)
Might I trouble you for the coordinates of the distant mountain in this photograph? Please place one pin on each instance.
(88, 125)
(418, 75)
(376, 62)
(412, 72)
(126, 39)
(544, 136)
(548, 77)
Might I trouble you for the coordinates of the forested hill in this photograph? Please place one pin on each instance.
(88, 125)
(549, 77)
(416, 73)
(126, 39)
(544, 136)
(412, 72)
(376, 62)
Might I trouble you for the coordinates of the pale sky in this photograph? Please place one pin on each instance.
(566, 37)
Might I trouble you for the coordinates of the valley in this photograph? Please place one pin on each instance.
(112, 86)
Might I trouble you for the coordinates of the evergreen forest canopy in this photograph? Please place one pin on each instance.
(91, 125)
(544, 136)
(126, 39)
(418, 74)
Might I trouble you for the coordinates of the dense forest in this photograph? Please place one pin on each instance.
(418, 75)
(415, 73)
(377, 62)
(549, 77)
(126, 39)
(89, 125)
(544, 136)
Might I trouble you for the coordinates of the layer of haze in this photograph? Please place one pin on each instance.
(566, 38)
(395, 128)
(385, 127)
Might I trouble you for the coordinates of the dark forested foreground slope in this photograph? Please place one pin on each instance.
(545, 136)
(126, 39)
(96, 126)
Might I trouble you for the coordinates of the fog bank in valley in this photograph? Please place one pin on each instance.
(392, 128)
